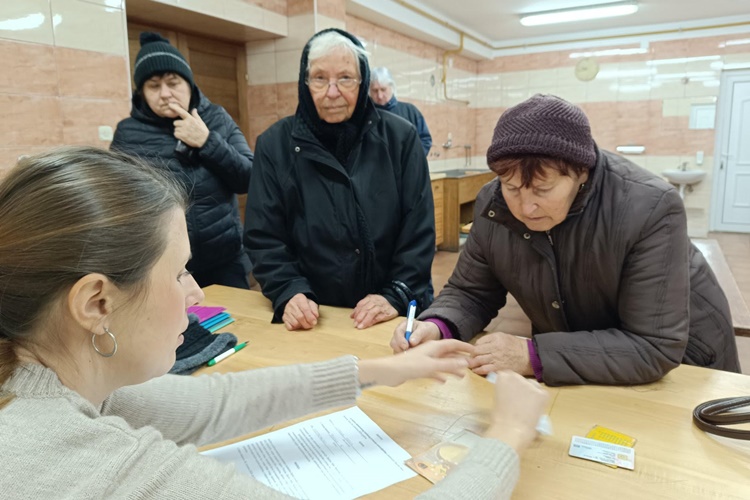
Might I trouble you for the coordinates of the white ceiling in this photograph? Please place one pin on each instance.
(495, 23)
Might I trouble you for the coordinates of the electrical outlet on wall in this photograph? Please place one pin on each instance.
(105, 133)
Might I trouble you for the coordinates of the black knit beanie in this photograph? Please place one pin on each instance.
(544, 125)
(158, 56)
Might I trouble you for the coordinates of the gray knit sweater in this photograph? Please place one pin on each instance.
(140, 444)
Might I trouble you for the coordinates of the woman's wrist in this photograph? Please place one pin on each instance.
(373, 372)
(511, 436)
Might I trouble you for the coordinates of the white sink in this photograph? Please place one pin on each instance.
(684, 177)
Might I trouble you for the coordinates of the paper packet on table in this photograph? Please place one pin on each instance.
(435, 463)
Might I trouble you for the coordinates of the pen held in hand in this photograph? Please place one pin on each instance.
(224, 355)
(410, 313)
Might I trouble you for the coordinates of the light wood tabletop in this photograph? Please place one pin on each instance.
(674, 459)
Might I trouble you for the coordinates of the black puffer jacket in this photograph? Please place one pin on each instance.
(212, 174)
(616, 293)
(302, 228)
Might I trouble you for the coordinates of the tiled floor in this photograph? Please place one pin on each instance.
(736, 249)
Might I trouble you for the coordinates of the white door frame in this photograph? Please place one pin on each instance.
(721, 145)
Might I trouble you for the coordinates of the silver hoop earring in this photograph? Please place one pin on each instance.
(580, 188)
(114, 341)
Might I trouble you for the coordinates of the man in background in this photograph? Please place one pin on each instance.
(383, 94)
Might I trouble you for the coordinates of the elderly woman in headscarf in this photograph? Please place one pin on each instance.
(594, 249)
(340, 207)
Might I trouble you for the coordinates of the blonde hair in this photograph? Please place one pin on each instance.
(68, 213)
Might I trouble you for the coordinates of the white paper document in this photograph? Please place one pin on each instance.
(338, 456)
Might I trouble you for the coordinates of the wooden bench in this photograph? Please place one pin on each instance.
(739, 309)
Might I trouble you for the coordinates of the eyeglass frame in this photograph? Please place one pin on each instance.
(334, 82)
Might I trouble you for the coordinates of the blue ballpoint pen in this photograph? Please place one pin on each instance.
(410, 313)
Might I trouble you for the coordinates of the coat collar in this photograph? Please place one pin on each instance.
(304, 141)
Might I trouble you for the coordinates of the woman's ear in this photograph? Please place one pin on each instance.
(91, 300)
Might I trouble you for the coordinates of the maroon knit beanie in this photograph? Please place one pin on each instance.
(544, 125)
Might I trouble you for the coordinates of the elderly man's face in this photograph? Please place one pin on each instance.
(334, 103)
(380, 93)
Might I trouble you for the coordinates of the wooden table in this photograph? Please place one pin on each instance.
(715, 257)
(673, 458)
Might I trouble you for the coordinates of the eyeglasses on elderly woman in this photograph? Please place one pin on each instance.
(319, 83)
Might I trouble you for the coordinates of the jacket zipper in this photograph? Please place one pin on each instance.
(549, 237)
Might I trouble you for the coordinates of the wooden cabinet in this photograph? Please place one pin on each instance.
(437, 197)
(459, 194)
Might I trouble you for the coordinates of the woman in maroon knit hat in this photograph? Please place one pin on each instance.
(596, 252)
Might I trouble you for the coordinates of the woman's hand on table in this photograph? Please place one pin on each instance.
(300, 313)
(519, 403)
(371, 310)
(422, 332)
(501, 351)
(435, 360)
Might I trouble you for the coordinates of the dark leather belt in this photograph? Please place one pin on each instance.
(712, 415)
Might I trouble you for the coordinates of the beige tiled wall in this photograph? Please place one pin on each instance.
(65, 74)
(642, 99)
(273, 65)
(417, 68)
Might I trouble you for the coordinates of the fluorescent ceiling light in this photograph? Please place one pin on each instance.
(580, 13)
(608, 52)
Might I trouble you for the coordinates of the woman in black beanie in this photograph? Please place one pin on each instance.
(339, 209)
(173, 126)
(594, 249)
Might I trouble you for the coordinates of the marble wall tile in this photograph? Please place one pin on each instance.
(88, 74)
(30, 121)
(286, 95)
(261, 68)
(335, 9)
(28, 68)
(276, 6)
(300, 28)
(297, 7)
(258, 125)
(81, 119)
(88, 26)
(287, 66)
(261, 99)
(27, 21)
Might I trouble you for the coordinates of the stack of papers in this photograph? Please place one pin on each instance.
(211, 318)
(343, 455)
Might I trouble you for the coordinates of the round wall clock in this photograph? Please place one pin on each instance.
(587, 69)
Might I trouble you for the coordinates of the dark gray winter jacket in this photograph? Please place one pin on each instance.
(616, 293)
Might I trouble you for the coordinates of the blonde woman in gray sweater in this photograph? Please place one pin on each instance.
(93, 298)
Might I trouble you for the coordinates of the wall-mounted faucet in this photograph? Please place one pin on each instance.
(449, 143)
(683, 166)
